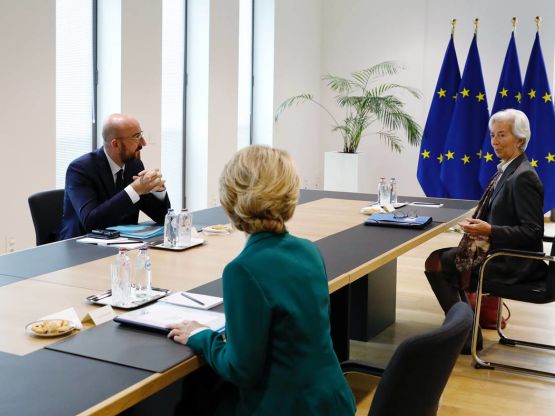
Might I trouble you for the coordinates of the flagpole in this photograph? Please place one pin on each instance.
(476, 21)
(514, 23)
(538, 21)
(453, 24)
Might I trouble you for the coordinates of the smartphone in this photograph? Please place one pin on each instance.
(104, 234)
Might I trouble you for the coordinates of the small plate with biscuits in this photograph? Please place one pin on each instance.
(217, 229)
(49, 328)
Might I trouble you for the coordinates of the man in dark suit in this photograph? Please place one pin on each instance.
(509, 216)
(109, 186)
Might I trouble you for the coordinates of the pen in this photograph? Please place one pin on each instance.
(185, 295)
(426, 203)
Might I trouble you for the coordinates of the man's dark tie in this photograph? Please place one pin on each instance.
(119, 180)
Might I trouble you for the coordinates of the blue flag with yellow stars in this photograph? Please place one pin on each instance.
(509, 95)
(460, 166)
(537, 103)
(437, 124)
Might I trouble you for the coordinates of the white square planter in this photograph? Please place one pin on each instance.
(346, 172)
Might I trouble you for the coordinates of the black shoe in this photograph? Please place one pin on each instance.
(467, 348)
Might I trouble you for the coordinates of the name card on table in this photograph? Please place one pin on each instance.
(100, 315)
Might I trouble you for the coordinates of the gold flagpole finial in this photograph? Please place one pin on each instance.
(476, 25)
(453, 24)
(514, 19)
(538, 21)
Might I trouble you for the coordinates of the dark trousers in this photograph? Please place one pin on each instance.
(205, 393)
(445, 284)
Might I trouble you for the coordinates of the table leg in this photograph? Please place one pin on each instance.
(372, 302)
(339, 320)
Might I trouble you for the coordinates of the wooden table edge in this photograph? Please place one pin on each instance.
(144, 388)
(368, 267)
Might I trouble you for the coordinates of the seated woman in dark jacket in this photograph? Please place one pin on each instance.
(509, 215)
(278, 351)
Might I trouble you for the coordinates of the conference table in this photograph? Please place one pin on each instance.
(108, 368)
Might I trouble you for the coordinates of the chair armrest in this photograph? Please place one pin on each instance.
(535, 255)
(353, 366)
(517, 253)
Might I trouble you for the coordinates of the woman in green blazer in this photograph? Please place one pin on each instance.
(278, 350)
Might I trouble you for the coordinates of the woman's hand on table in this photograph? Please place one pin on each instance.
(180, 332)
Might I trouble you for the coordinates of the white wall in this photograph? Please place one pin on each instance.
(27, 112)
(297, 70)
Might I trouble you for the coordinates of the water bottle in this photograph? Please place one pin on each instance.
(393, 191)
(170, 229)
(184, 225)
(121, 279)
(383, 192)
(142, 274)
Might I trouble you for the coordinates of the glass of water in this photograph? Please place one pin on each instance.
(121, 285)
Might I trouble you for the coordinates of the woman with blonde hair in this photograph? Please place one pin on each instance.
(278, 351)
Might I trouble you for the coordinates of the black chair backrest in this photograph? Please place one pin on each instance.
(46, 210)
(415, 377)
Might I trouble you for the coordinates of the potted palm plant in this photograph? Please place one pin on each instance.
(365, 102)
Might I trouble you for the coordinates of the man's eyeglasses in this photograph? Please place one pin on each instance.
(135, 137)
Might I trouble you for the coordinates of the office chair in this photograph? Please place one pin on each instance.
(539, 292)
(414, 379)
(46, 210)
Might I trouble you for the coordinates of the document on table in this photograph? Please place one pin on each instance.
(188, 299)
(159, 315)
(113, 242)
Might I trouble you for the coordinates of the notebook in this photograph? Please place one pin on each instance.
(389, 220)
(160, 314)
(193, 300)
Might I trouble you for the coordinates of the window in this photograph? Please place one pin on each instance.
(108, 53)
(198, 36)
(172, 116)
(263, 70)
(74, 82)
(244, 124)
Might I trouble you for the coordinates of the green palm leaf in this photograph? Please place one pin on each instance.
(377, 71)
(367, 102)
(290, 102)
(338, 84)
(392, 140)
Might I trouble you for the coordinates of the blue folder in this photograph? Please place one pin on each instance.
(140, 231)
(390, 220)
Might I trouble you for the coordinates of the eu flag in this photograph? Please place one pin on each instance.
(509, 95)
(460, 164)
(437, 124)
(538, 105)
